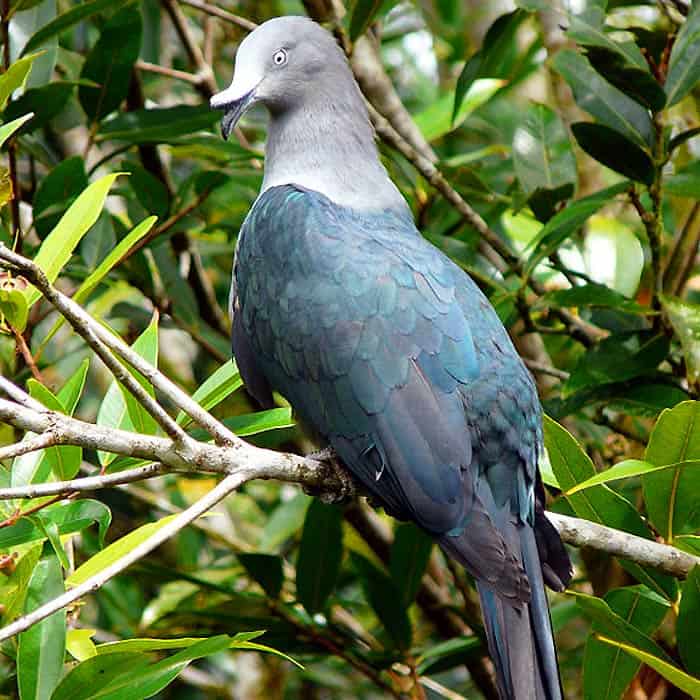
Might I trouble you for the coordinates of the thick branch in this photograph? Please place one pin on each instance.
(582, 533)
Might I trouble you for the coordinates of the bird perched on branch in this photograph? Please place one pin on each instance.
(386, 348)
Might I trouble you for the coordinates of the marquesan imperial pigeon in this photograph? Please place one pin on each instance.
(387, 349)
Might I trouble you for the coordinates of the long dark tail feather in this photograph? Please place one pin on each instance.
(520, 634)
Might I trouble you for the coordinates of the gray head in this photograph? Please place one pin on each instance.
(320, 136)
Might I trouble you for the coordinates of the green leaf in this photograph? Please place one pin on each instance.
(616, 627)
(684, 65)
(385, 599)
(410, 554)
(320, 555)
(571, 466)
(58, 246)
(50, 529)
(260, 421)
(626, 469)
(6, 130)
(110, 63)
(593, 295)
(66, 20)
(265, 569)
(637, 83)
(285, 521)
(15, 77)
(568, 221)
(41, 648)
(688, 543)
(671, 673)
(685, 319)
(79, 643)
(130, 675)
(13, 308)
(608, 671)
(69, 394)
(148, 644)
(159, 125)
(363, 13)
(613, 150)
(685, 182)
(448, 654)
(116, 550)
(672, 496)
(682, 137)
(467, 76)
(148, 189)
(119, 409)
(687, 627)
(68, 518)
(542, 152)
(43, 103)
(436, 120)
(604, 101)
(215, 389)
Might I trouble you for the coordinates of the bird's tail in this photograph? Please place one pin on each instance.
(520, 634)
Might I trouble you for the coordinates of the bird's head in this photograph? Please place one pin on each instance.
(282, 64)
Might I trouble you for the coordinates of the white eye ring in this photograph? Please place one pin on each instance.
(279, 58)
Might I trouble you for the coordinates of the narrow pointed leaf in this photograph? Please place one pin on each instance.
(684, 65)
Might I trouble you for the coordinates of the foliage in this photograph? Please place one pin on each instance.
(579, 151)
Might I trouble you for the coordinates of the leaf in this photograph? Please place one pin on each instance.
(149, 190)
(571, 466)
(616, 627)
(685, 319)
(684, 65)
(68, 19)
(448, 654)
(145, 644)
(41, 648)
(43, 103)
(604, 101)
(6, 130)
(115, 551)
(110, 63)
(69, 394)
(593, 295)
(58, 246)
(687, 626)
(682, 137)
(131, 675)
(265, 569)
(672, 496)
(320, 555)
(671, 673)
(68, 518)
(410, 554)
(626, 469)
(362, 16)
(13, 308)
(158, 125)
(260, 421)
(436, 120)
(685, 182)
(566, 222)
(542, 153)
(636, 82)
(466, 79)
(79, 643)
(688, 543)
(608, 671)
(119, 409)
(385, 600)
(15, 77)
(217, 387)
(285, 520)
(613, 150)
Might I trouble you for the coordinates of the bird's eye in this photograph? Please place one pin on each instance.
(280, 57)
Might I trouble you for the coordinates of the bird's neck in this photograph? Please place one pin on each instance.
(329, 147)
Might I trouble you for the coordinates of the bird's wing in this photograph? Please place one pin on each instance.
(362, 325)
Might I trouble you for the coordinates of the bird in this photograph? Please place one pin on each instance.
(385, 348)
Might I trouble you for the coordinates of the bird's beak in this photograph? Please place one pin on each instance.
(234, 104)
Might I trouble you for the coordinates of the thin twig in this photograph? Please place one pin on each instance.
(87, 483)
(229, 17)
(26, 353)
(547, 369)
(32, 444)
(208, 501)
(169, 72)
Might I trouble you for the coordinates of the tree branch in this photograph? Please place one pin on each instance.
(663, 557)
(218, 493)
(88, 483)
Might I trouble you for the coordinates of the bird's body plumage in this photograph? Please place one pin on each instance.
(393, 356)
